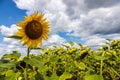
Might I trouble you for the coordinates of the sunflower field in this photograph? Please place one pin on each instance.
(64, 63)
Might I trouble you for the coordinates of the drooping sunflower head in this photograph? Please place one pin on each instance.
(33, 29)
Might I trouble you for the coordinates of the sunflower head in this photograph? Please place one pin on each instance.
(33, 29)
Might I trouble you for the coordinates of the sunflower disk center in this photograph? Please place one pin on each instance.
(33, 29)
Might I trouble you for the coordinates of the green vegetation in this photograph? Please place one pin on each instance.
(64, 63)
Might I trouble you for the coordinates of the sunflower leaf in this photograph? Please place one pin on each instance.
(36, 48)
(71, 43)
(93, 77)
(14, 36)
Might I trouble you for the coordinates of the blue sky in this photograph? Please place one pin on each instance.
(10, 13)
(88, 22)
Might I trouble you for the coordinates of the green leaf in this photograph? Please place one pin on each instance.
(37, 48)
(7, 65)
(80, 65)
(93, 77)
(99, 57)
(54, 77)
(65, 76)
(115, 72)
(32, 75)
(71, 43)
(34, 62)
(13, 55)
(38, 76)
(14, 36)
(65, 46)
(81, 46)
(11, 75)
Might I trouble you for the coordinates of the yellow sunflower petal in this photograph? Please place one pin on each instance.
(20, 33)
(33, 29)
(35, 15)
(21, 24)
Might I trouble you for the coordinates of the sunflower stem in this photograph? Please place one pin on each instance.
(26, 74)
(101, 65)
(28, 52)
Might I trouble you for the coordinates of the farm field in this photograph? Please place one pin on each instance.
(64, 63)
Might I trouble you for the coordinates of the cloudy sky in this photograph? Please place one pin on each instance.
(88, 22)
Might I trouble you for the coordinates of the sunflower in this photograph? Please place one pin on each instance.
(33, 29)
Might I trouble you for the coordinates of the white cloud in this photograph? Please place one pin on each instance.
(97, 41)
(10, 44)
(94, 41)
(26, 5)
(75, 17)
(75, 8)
(8, 48)
(102, 21)
(54, 40)
(54, 11)
(101, 3)
(40, 5)
(6, 31)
